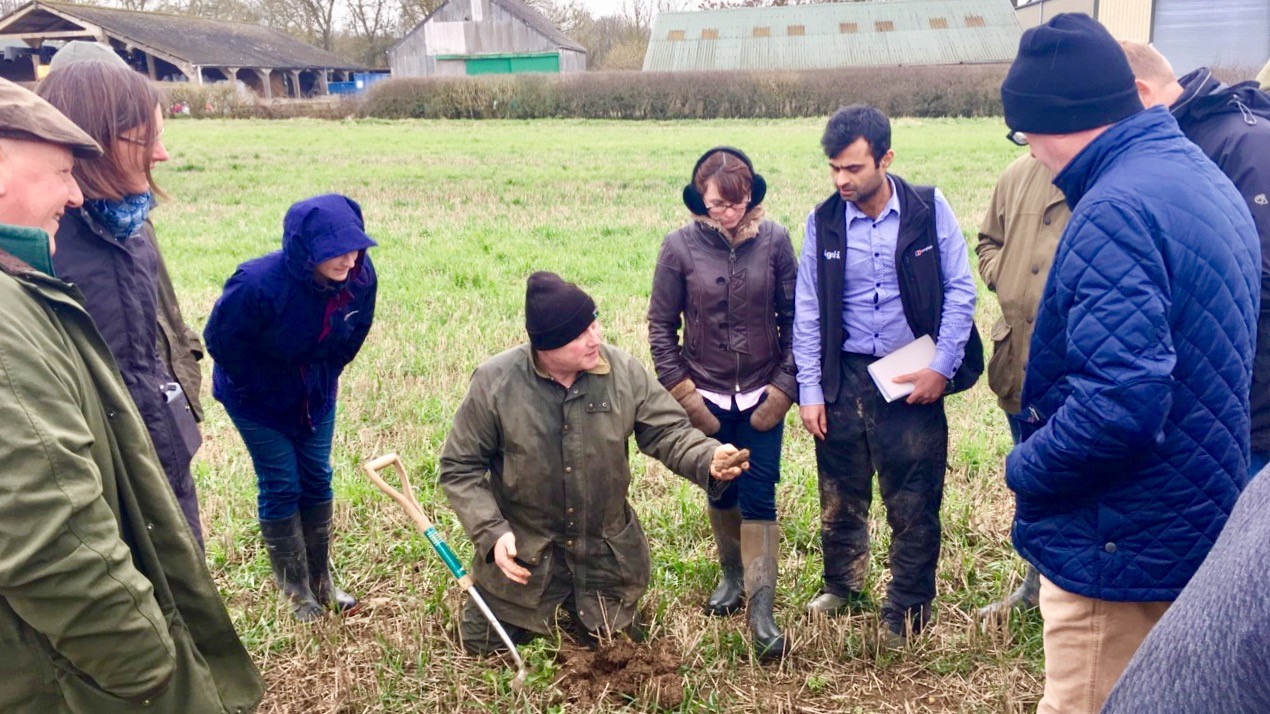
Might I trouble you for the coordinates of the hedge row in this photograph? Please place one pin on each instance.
(956, 91)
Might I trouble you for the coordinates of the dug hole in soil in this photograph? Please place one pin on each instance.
(621, 669)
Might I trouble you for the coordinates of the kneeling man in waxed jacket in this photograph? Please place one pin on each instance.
(536, 468)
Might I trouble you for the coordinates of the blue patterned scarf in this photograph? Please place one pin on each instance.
(121, 218)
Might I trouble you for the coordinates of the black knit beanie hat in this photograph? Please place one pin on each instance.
(1070, 75)
(556, 312)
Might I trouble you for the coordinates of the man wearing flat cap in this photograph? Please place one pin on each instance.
(536, 466)
(1135, 409)
(106, 603)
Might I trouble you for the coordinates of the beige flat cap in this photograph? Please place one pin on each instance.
(25, 116)
(85, 51)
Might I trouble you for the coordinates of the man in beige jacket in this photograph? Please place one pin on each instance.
(1017, 241)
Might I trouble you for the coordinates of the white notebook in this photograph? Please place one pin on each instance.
(912, 357)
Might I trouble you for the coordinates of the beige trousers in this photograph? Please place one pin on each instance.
(1088, 644)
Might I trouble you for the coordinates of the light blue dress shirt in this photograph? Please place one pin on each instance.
(872, 314)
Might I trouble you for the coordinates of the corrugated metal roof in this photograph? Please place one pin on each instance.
(847, 34)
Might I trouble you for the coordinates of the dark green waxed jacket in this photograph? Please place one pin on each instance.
(106, 604)
(553, 466)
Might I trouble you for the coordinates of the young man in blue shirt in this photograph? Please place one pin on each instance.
(883, 262)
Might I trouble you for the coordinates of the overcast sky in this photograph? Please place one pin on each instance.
(600, 8)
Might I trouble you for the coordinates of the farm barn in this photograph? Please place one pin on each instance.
(1191, 33)
(465, 37)
(856, 34)
(166, 46)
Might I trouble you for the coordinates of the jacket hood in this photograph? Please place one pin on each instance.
(321, 228)
(1203, 96)
(1085, 169)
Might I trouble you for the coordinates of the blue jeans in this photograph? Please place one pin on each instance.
(1015, 427)
(755, 489)
(291, 474)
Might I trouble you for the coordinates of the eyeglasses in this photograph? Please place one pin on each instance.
(723, 206)
(142, 142)
(1018, 138)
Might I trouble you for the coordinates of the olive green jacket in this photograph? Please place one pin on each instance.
(106, 604)
(180, 347)
(552, 465)
(1017, 242)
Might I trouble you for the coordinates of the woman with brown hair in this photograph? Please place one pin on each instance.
(728, 279)
(107, 249)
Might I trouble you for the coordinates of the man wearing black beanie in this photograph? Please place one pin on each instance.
(536, 468)
(1135, 402)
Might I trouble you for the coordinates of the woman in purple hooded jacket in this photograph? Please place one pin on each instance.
(281, 333)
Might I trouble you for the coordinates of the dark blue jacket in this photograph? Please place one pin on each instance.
(1232, 126)
(1136, 392)
(281, 337)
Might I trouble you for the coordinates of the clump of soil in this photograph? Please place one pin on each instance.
(623, 669)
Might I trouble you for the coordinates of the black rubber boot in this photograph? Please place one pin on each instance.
(284, 541)
(759, 548)
(317, 542)
(729, 594)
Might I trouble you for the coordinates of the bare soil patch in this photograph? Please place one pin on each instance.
(648, 673)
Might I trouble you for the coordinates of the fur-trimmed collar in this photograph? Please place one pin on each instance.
(745, 230)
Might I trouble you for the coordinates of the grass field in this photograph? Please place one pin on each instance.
(463, 212)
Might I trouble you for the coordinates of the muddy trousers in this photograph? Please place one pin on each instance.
(907, 446)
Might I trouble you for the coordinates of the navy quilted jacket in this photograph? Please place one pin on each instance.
(1136, 391)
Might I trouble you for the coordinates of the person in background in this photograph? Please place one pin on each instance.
(1135, 400)
(108, 250)
(1016, 246)
(281, 333)
(1231, 125)
(537, 468)
(883, 263)
(728, 278)
(106, 602)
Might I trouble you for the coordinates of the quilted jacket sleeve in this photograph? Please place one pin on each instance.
(1112, 282)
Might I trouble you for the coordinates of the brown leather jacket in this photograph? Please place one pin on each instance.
(735, 301)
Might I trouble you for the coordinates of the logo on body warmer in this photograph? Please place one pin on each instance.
(833, 255)
(917, 253)
(1260, 199)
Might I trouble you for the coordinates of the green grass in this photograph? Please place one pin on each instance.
(463, 212)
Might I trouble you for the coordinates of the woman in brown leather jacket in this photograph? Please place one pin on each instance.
(728, 279)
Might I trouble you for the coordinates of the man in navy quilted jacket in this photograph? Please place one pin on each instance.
(1135, 403)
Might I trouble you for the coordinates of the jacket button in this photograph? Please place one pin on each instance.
(723, 345)
(569, 524)
(1029, 319)
(1046, 220)
(721, 280)
(533, 560)
(1036, 269)
(590, 405)
(568, 469)
(723, 325)
(569, 543)
(604, 405)
(1110, 547)
(569, 510)
(111, 414)
(149, 526)
(566, 427)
